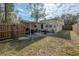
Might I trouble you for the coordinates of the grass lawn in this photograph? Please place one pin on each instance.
(62, 43)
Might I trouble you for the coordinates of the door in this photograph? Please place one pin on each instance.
(41, 26)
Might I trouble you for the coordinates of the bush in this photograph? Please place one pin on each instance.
(70, 21)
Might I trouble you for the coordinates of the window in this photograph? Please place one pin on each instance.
(50, 25)
(41, 26)
(27, 29)
(35, 26)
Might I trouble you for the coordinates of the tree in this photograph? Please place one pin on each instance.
(69, 19)
(2, 10)
(38, 11)
(9, 7)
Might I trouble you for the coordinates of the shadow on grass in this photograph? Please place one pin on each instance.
(20, 44)
(63, 34)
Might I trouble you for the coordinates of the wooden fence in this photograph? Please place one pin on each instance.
(67, 27)
(11, 30)
(76, 28)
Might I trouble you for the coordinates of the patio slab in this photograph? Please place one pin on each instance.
(23, 38)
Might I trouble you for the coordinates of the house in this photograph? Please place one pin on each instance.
(35, 26)
(52, 25)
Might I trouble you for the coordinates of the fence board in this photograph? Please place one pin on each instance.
(67, 27)
(76, 28)
(11, 30)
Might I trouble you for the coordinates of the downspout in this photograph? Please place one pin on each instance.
(30, 30)
(40, 28)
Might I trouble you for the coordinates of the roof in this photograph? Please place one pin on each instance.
(52, 19)
(24, 21)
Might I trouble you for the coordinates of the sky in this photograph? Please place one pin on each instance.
(52, 9)
(23, 10)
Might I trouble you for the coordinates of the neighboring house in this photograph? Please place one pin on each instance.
(52, 25)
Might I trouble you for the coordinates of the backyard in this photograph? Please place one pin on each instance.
(62, 43)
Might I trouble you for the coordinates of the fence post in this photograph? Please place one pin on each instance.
(12, 31)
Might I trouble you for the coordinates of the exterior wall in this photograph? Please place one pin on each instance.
(56, 25)
(33, 24)
(49, 25)
(38, 26)
(59, 25)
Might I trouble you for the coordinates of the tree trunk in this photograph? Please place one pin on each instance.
(5, 13)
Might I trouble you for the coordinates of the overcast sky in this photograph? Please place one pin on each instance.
(52, 9)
